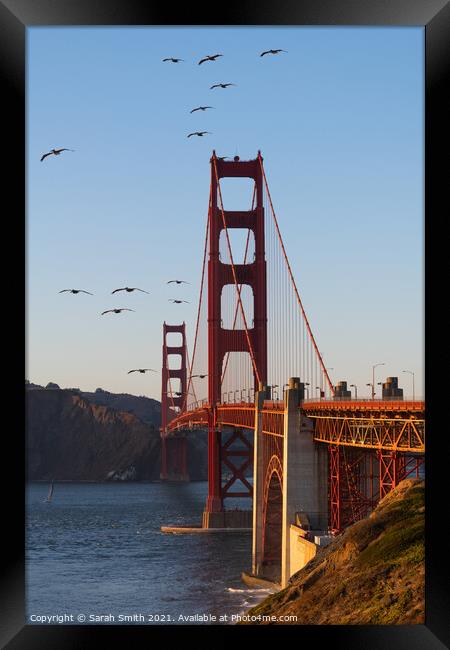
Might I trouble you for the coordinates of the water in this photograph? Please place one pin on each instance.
(97, 550)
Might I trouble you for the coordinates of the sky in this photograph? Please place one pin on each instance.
(339, 119)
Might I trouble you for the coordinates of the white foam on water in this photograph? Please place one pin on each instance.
(249, 591)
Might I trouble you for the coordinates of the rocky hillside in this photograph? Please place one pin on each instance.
(71, 438)
(372, 574)
(146, 409)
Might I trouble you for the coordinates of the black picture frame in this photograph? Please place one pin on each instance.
(15, 17)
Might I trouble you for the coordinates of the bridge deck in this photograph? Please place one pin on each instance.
(393, 425)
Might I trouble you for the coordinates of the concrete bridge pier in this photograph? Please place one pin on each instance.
(305, 486)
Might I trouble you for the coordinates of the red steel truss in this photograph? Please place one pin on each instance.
(359, 478)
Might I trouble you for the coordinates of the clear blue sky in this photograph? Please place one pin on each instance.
(339, 121)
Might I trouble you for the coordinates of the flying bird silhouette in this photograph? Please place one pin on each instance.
(199, 133)
(271, 52)
(116, 311)
(55, 152)
(210, 57)
(128, 289)
(178, 282)
(143, 370)
(221, 86)
(172, 60)
(201, 108)
(76, 291)
(200, 376)
(177, 301)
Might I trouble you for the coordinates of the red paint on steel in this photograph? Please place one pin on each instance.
(222, 341)
(173, 454)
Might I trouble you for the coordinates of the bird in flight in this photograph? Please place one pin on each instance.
(128, 289)
(201, 108)
(56, 152)
(271, 52)
(116, 311)
(199, 133)
(177, 301)
(76, 291)
(178, 282)
(200, 376)
(222, 157)
(210, 57)
(221, 86)
(172, 60)
(143, 370)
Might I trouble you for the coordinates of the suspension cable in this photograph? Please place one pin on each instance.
(292, 277)
(191, 366)
(237, 303)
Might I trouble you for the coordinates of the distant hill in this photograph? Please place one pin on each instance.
(76, 435)
(146, 409)
(372, 574)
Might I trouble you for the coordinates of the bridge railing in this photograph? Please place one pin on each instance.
(406, 399)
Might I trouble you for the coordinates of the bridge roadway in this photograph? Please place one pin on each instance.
(391, 425)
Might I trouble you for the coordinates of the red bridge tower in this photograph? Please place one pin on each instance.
(220, 340)
(173, 447)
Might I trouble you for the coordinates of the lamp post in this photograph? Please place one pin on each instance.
(410, 372)
(356, 390)
(274, 392)
(373, 377)
(320, 391)
(373, 393)
(306, 389)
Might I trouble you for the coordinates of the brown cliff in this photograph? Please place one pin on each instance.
(68, 438)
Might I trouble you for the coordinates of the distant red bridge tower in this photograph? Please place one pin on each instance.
(173, 446)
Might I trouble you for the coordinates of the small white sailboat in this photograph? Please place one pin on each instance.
(50, 494)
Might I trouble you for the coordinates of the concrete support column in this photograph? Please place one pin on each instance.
(258, 485)
(304, 474)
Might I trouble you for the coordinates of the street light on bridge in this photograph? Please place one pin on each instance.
(410, 372)
(373, 393)
(373, 377)
(306, 389)
(356, 390)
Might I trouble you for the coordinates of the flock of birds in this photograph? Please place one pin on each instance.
(200, 134)
(118, 310)
(57, 152)
(213, 57)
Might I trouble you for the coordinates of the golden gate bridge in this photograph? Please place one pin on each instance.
(255, 374)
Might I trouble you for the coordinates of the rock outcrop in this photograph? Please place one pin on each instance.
(371, 574)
